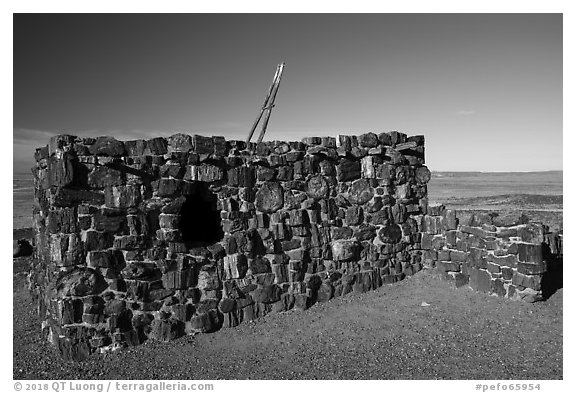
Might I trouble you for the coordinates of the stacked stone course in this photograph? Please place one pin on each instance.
(505, 255)
(155, 239)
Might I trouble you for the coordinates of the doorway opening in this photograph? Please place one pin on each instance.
(200, 221)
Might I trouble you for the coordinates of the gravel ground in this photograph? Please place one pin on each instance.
(384, 334)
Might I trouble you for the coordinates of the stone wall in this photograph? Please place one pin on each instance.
(504, 255)
(156, 239)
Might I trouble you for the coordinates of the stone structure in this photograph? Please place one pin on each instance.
(156, 239)
(502, 255)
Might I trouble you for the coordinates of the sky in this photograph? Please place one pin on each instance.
(484, 89)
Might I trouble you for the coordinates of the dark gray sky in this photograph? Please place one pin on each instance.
(485, 89)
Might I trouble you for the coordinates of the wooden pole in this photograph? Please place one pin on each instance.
(265, 105)
(271, 103)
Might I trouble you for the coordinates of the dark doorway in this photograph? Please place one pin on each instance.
(200, 221)
(553, 278)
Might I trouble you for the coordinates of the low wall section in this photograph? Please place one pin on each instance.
(505, 255)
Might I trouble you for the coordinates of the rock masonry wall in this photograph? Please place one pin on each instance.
(160, 238)
(505, 255)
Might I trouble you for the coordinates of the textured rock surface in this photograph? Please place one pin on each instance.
(270, 197)
(172, 236)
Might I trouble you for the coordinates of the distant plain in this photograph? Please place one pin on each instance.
(539, 195)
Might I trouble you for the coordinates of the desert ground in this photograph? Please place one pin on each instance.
(384, 334)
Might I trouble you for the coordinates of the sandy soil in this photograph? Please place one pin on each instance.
(384, 334)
